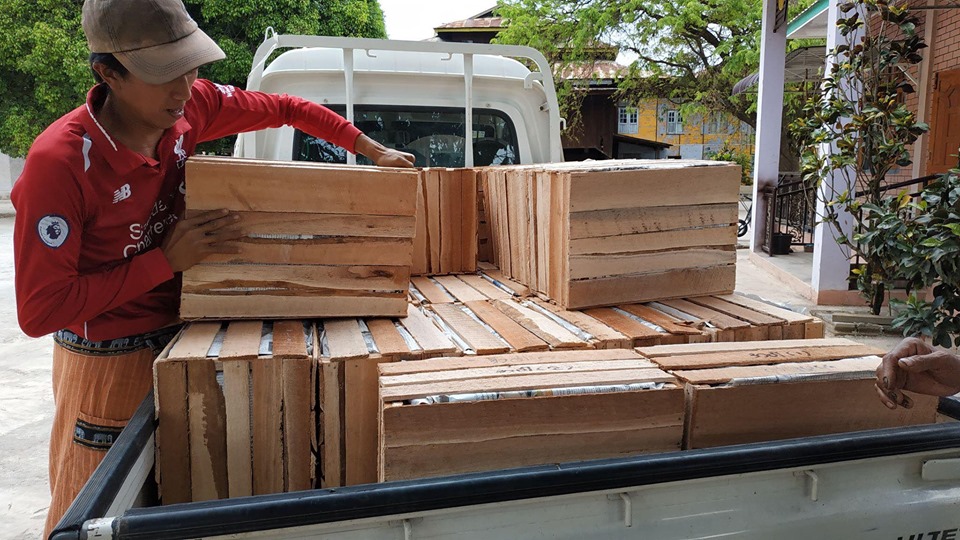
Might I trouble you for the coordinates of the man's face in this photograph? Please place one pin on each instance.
(155, 105)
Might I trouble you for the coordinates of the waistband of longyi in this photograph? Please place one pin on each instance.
(155, 340)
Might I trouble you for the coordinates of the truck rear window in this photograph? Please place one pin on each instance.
(434, 136)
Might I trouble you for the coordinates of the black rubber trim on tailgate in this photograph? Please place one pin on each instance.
(322, 506)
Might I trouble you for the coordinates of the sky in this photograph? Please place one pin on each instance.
(415, 19)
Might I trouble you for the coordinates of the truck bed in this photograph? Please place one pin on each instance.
(890, 483)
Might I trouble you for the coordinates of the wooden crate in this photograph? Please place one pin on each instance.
(320, 240)
(615, 232)
(763, 391)
(446, 236)
(350, 350)
(461, 434)
(236, 415)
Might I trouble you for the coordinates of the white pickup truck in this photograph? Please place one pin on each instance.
(463, 105)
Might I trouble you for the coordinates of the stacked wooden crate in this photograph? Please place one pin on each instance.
(763, 391)
(235, 407)
(455, 415)
(446, 236)
(594, 234)
(319, 240)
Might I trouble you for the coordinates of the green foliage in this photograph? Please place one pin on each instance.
(43, 54)
(690, 52)
(745, 161)
(860, 114)
(919, 241)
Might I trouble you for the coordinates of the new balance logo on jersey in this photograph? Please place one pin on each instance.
(122, 193)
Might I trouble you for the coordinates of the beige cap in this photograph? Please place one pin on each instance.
(155, 39)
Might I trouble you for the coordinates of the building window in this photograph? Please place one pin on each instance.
(674, 122)
(715, 124)
(627, 123)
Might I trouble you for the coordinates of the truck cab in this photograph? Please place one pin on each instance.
(420, 97)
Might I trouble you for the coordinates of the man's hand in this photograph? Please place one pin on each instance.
(381, 155)
(191, 240)
(915, 366)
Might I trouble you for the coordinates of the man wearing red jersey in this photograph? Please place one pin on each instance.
(98, 241)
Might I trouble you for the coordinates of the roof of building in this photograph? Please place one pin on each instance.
(485, 20)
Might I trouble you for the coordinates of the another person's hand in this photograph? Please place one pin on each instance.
(381, 155)
(191, 240)
(914, 366)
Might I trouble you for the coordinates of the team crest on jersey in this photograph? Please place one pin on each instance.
(180, 152)
(53, 230)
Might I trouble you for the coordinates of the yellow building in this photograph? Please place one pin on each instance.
(660, 120)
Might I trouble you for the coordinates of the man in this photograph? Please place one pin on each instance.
(99, 244)
(915, 366)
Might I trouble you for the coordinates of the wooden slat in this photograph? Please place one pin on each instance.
(720, 320)
(431, 291)
(763, 307)
(643, 188)
(661, 319)
(173, 439)
(519, 338)
(428, 336)
(387, 338)
(198, 306)
(312, 224)
(767, 412)
(607, 337)
(298, 421)
(555, 335)
(526, 382)
(634, 330)
(460, 290)
(485, 287)
(444, 364)
(518, 369)
(195, 341)
(481, 340)
(208, 436)
(518, 289)
(451, 239)
(267, 426)
(236, 393)
(297, 186)
(289, 340)
(763, 356)
(421, 245)
(434, 217)
(724, 236)
(647, 287)
(632, 264)
(734, 310)
(304, 279)
(331, 404)
(840, 367)
(361, 403)
(466, 437)
(469, 221)
(629, 221)
(240, 345)
(338, 250)
(344, 339)
(702, 348)
(242, 340)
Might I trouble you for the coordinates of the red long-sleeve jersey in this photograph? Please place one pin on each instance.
(91, 214)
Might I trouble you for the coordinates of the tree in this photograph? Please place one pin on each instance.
(43, 54)
(862, 118)
(690, 52)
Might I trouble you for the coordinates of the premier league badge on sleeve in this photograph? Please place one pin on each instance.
(53, 230)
